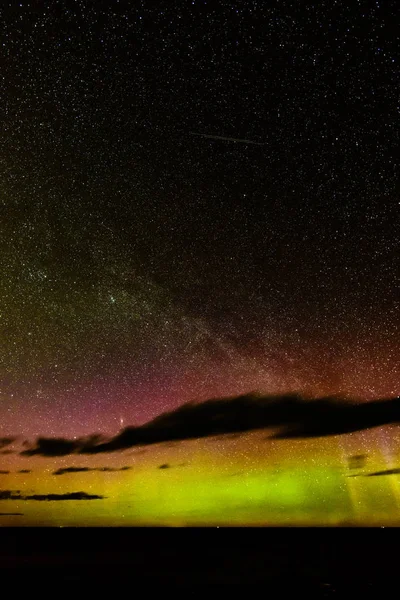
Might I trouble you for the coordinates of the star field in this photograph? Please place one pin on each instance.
(144, 264)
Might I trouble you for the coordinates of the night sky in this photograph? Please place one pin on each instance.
(146, 263)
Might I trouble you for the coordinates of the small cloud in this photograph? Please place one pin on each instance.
(70, 496)
(4, 472)
(16, 495)
(6, 441)
(16, 514)
(24, 471)
(357, 461)
(165, 466)
(66, 470)
(7, 451)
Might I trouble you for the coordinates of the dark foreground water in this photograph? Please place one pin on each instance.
(321, 562)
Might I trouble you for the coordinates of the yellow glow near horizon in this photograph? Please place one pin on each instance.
(243, 481)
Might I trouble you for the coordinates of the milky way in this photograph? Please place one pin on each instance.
(143, 266)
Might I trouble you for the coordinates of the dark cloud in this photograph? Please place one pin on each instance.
(24, 471)
(331, 416)
(52, 447)
(165, 466)
(6, 441)
(386, 472)
(70, 496)
(4, 472)
(357, 461)
(61, 446)
(111, 469)
(64, 471)
(16, 495)
(11, 514)
(297, 417)
(72, 470)
(10, 495)
(7, 451)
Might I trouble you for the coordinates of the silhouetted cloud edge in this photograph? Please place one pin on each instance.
(296, 416)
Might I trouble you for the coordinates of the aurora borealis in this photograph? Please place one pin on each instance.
(221, 481)
(197, 201)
